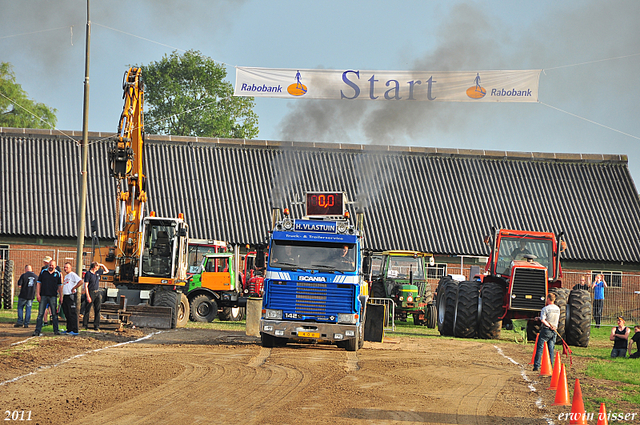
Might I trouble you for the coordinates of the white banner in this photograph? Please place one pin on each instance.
(458, 86)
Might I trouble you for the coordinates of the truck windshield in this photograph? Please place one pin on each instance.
(511, 249)
(400, 267)
(312, 256)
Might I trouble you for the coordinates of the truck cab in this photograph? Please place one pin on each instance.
(314, 289)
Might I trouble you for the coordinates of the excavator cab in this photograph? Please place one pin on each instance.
(165, 243)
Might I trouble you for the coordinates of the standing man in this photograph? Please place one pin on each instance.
(91, 287)
(582, 285)
(549, 316)
(27, 284)
(635, 338)
(47, 291)
(598, 298)
(71, 282)
(620, 337)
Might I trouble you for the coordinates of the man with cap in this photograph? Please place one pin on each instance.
(620, 337)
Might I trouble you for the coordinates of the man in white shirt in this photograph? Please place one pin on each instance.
(549, 316)
(71, 282)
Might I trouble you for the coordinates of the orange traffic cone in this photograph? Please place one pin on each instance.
(602, 415)
(562, 393)
(556, 372)
(533, 356)
(545, 367)
(578, 415)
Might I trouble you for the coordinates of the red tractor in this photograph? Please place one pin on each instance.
(523, 267)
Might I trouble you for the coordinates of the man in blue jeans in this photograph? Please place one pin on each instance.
(27, 284)
(48, 290)
(549, 316)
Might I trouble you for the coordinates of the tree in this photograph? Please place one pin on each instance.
(186, 96)
(16, 109)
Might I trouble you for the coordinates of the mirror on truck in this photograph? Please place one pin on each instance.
(366, 263)
(260, 258)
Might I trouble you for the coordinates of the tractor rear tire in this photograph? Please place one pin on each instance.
(232, 314)
(491, 297)
(466, 315)
(578, 324)
(446, 306)
(431, 316)
(203, 309)
(165, 298)
(562, 296)
(377, 289)
(533, 329)
(7, 285)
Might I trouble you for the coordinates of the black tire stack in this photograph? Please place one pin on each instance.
(491, 297)
(466, 310)
(7, 285)
(446, 305)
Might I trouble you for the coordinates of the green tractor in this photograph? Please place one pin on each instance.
(402, 277)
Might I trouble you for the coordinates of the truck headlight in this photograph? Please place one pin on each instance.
(347, 318)
(273, 314)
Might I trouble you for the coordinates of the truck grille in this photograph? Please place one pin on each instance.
(529, 288)
(312, 298)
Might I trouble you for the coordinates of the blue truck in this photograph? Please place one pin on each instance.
(314, 288)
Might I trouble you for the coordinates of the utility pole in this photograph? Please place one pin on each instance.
(82, 210)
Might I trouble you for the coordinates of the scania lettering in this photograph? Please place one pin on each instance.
(314, 289)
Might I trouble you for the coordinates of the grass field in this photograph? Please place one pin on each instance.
(624, 374)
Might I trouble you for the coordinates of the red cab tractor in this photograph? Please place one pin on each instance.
(523, 267)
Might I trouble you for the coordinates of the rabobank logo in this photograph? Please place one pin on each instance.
(297, 89)
(477, 91)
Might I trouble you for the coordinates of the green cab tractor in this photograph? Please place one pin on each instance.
(402, 277)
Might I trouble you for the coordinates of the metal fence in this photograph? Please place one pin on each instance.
(622, 298)
(390, 312)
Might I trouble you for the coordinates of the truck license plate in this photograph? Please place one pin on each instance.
(309, 334)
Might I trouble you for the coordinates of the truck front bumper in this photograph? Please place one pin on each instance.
(305, 331)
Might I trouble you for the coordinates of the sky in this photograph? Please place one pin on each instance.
(589, 53)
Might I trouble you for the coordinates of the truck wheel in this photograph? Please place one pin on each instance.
(446, 307)
(183, 311)
(432, 316)
(353, 344)
(232, 314)
(491, 296)
(267, 340)
(562, 296)
(164, 298)
(466, 315)
(203, 309)
(578, 324)
(7, 285)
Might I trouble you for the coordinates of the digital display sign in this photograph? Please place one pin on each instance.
(325, 203)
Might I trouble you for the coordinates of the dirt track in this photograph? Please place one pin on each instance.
(205, 376)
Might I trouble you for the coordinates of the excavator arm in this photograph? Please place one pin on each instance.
(126, 160)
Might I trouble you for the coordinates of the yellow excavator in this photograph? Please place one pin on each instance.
(148, 261)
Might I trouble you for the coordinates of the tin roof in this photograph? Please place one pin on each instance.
(434, 200)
